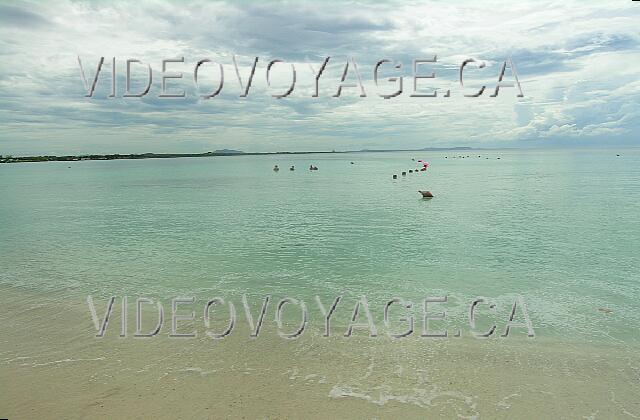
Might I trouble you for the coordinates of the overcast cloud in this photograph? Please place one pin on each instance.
(578, 64)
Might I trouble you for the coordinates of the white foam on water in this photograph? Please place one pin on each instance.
(55, 362)
(381, 395)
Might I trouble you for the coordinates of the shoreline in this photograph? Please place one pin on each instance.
(133, 156)
(75, 306)
(230, 153)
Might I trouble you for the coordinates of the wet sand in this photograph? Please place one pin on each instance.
(56, 368)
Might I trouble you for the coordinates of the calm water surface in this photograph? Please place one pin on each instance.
(560, 229)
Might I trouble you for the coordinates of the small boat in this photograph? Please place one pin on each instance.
(276, 169)
(292, 168)
(426, 194)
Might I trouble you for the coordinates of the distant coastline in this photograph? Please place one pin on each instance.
(222, 152)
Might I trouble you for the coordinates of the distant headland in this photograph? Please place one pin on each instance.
(220, 152)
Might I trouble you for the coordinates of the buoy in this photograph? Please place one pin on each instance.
(426, 194)
(395, 177)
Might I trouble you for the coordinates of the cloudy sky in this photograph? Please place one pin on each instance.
(578, 64)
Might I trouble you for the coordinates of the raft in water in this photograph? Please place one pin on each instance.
(426, 194)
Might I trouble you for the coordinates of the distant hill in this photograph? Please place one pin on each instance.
(432, 149)
(219, 152)
(227, 152)
(448, 148)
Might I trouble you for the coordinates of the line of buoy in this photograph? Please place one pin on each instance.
(463, 157)
(411, 171)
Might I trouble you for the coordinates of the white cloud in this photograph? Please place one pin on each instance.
(578, 65)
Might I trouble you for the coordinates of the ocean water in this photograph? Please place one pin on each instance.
(554, 230)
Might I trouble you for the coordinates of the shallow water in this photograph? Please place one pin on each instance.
(557, 230)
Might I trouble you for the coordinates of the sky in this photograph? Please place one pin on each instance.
(578, 64)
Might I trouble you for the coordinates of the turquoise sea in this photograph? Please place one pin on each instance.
(558, 229)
